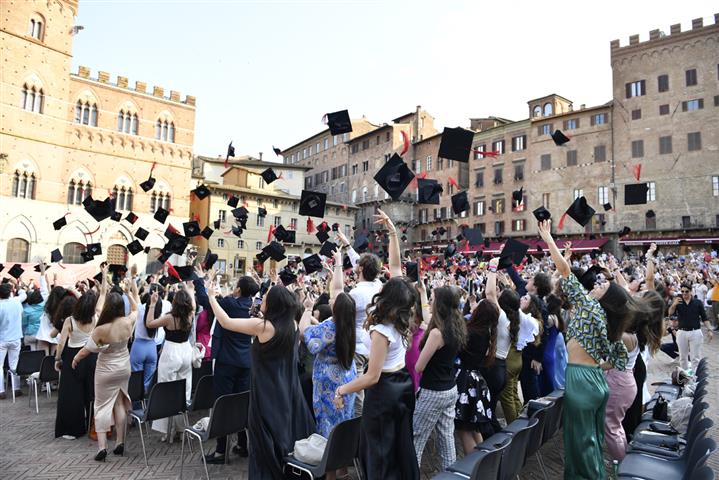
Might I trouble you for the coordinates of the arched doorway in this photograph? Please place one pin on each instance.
(71, 253)
(117, 255)
(18, 250)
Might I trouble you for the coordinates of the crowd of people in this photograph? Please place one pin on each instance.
(455, 346)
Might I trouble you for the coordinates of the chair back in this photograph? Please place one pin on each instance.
(488, 466)
(47, 370)
(698, 408)
(229, 415)
(536, 438)
(204, 396)
(197, 373)
(29, 362)
(703, 473)
(700, 451)
(341, 449)
(166, 399)
(553, 419)
(513, 459)
(697, 428)
(136, 386)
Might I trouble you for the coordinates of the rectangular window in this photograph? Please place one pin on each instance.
(546, 161)
(598, 119)
(665, 145)
(310, 150)
(278, 221)
(650, 223)
(377, 140)
(603, 195)
(691, 105)
(304, 153)
(260, 221)
(258, 245)
(694, 141)
(220, 242)
(691, 77)
(637, 148)
(571, 158)
(686, 221)
(715, 186)
(335, 140)
(716, 100)
(637, 114)
(365, 144)
(429, 163)
(317, 149)
(519, 225)
(663, 83)
(440, 163)
(545, 129)
(293, 223)
(519, 172)
(498, 205)
(479, 180)
(600, 153)
(365, 165)
(354, 169)
(478, 149)
(497, 176)
(240, 244)
(479, 208)
(577, 192)
(545, 200)
(664, 109)
(651, 191)
(519, 143)
(498, 228)
(443, 212)
(327, 143)
(498, 146)
(635, 89)
(355, 148)
(571, 124)
(223, 216)
(308, 182)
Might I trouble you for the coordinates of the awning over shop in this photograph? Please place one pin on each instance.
(668, 241)
(577, 245)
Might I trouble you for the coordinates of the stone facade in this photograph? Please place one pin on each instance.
(65, 135)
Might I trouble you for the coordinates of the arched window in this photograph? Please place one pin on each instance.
(77, 191)
(548, 109)
(127, 122)
(23, 185)
(33, 98)
(35, 28)
(537, 112)
(165, 131)
(71, 253)
(159, 200)
(86, 113)
(123, 198)
(18, 250)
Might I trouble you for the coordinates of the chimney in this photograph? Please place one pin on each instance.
(260, 156)
(583, 106)
(103, 77)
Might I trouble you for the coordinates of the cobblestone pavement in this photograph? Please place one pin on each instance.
(29, 451)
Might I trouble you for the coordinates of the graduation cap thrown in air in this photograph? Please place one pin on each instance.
(177, 244)
(237, 231)
(559, 138)
(55, 256)
(541, 214)
(335, 227)
(262, 256)
(135, 247)
(201, 192)
(322, 236)
(339, 122)
(86, 256)
(116, 216)
(16, 271)
(650, 214)
(95, 249)
(216, 224)
(312, 264)
(277, 151)
(141, 233)
(210, 260)
(312, 204)
(473, 235)
(287, 277)
(579, 211)
(512, 253)
(328, 249)
(98, 209)
(428, 191)
(275, 250)
(131, 217)
(394, 177)
(262, 212)
(207, 232)
(635, 194)
(346, 263)
(186, 273)
(427, 250)
(517, 197)
(607, 206)
(192, 229)
(59, 223)
(625, 231)
(161, 215)
(361, 243)
(269, 176)
(233, 201)
(456, 144)
(148, 184)
(460, 202)
(240, 213)
(37, 267)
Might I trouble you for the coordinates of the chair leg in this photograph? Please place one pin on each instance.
(541, 465)
(182, 455)
(142, 441)
(204, 460)
(228, 449)
(36, 387)
(358, 468)
(187, 425)
(48, 387)
(10, 385)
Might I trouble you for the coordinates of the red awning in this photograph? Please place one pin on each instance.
(669, 241)
(580, 245)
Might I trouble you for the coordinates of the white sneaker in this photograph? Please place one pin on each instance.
(69, 437)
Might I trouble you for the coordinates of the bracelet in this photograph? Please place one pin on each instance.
(425, 305)
(493, 268)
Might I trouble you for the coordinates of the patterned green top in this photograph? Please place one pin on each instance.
(588, 326)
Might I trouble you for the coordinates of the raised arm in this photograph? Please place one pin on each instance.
(490, 291)
(559, 261)
(134, 296)
(249, 326)
(650, 266)
(337, 285)
(354, 256)
(150, 320)
(426, 310)
(307, 317)
(103, 290)
(395, 260)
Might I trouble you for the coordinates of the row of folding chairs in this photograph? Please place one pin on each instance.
(503, 455)
(39, 369)
(669, 391)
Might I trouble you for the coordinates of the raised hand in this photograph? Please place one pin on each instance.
(383, 219)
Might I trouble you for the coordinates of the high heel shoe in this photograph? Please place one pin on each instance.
(101, 455)
(119, 449)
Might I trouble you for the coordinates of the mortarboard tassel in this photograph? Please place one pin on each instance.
(452, 181)
(310, 225)
(152, 169)
(172, 229)
(270, 233)
(491, 153)
(560, 225)
(172, 272)
(405, 140)
(638, 171)
(422, 176)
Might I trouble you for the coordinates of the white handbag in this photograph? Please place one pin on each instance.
(198, 355)
(311, 449)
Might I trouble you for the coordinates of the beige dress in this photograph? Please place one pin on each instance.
(112, 375)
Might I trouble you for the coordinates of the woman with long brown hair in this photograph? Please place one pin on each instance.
(112, 371)
(437, 396)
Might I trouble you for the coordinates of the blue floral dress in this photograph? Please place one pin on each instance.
(327, 375)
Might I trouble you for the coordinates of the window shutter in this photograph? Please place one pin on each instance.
(628, 88)
(591, 120)
(701, 103)
(684, 106)
(643, 87)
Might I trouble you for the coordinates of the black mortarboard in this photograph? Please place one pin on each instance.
(262, 212)
(323, 227)
(186, 273)
(148, 184)
(287, 277)
(339, 122)
(59, 223)
(346, 263)
(15, 271)
(460, 202)
(262, 256)
(116, 216)
(207, 232)
(37, 267)
(427, 250)
(131, 217)
(135, 247)
(473, 235)
(147, 249)
(412, 271)
(635, 194)
(95, 249)
(269, 176)
(589, 278)
(441, 231)
(277, 151)
(161, 215)
(98, 209)
(233, 201)
(456, 144)
(322, 236)
(210, 260)
(230, 150)
(361, 243)
(55, 256)
(177, 244)
(164, 256)
(434, 233)
(512, 253)
(625, 231)
(335, 227)
(394, 177)
(216, 224)
(580, 211)
(86, 256)
(240, 213)
(237, 231)
(201, 192)
(328, 248)
(517, 197)
(141, 233)
(275, 250)
(650, 214)
(542, 214)
(312, 264)
(192, 229)
(280, 233)
(312, 204)
(428, 191)
(117, 269)
(559, 138)
(607, 206)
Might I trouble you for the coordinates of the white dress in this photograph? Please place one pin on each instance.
(43, 333)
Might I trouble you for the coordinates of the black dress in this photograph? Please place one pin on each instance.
(278, 414)
(474, 405)
(76, 392)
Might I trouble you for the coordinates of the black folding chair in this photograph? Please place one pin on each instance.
(204, 397)
(28, 362)
(229, 415)
(537, 433)
(481, 464)
(644, 466)
(197, 373)
(166, 400)
(47, 374)
(340, 452)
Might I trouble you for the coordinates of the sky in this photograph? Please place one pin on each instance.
(265, 72)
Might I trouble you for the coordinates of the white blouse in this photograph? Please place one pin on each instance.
(528, 329)
(395, 355)
(503, 339)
